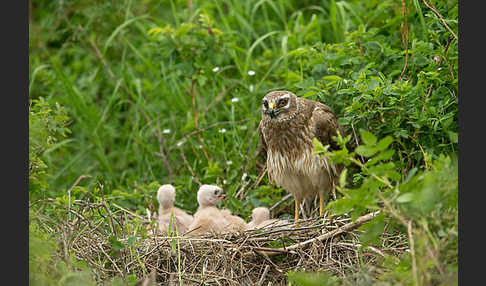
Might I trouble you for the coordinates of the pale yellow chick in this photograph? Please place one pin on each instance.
(208, 218)
(180, 220)
(261, 218)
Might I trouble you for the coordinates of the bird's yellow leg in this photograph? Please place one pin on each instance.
(297, 206)
(321, 203)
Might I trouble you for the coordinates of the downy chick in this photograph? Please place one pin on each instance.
(180, 220)
(208, 218)
(261, 218)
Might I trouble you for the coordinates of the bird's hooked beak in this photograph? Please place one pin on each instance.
(221, 194)
(271, 110)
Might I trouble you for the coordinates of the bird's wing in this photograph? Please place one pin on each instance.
(326, 125)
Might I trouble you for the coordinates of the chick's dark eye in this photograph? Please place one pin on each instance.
(265, 104)
(283, 102)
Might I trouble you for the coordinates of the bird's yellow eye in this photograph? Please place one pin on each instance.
(282, 102)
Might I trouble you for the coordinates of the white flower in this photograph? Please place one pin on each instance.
(252, 87)
(179, 144)
(251, 73)
(222, 130)
(216, 69)
(199, 146)
(229, 162)
(235, 99)
(245, 175)
(166, 131)
(224, 182)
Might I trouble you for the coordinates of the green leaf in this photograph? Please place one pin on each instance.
(393, 175)
(318, 147)
(384, 143)
(342, 178)
(405, 198)
(131, 240)
(115, 243)
(368, 138)
(366, 151)
(453, 136)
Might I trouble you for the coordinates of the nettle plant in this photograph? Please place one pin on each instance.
(370, 84)
(47, 126)
(421, 204)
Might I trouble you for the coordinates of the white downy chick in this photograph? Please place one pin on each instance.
(236, 222)
(180, 220)
(208, 218)
(261, 218)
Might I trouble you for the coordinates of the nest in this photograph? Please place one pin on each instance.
(254, 257)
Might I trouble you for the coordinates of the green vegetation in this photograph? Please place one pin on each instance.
(135, 94)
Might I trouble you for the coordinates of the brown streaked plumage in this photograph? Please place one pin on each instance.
(287, 129)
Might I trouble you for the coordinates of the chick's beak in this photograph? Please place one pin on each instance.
(221, 194)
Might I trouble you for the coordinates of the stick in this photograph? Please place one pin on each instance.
(263, 172)
(347, 227)
(72, 187)
(440, 18)
(281, 201)
(113, 228)
(405, 15)
(160, 138)
(189, 167)
(412, 251)
(196, 119)
(260, 282)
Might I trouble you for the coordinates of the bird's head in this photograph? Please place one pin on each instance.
(210, 195)
(279, 104)
(260, 214)
(166, 195)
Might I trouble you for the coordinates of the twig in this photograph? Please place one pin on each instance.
(405, 15)
(356, 140)
(375, 250)
(218, 98)
(281, 229)
(260, 282)
(109, 258)
(347, 227)
(132, 213)
(78, 180)
(242, 188)
(196, 119)
(286, 197)
(262, 173)
(161, 145)
(420, 146)
(113, 228)
(189, 167)
(412, 251)
(440, 18)
(392, 210)
(268, 249)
